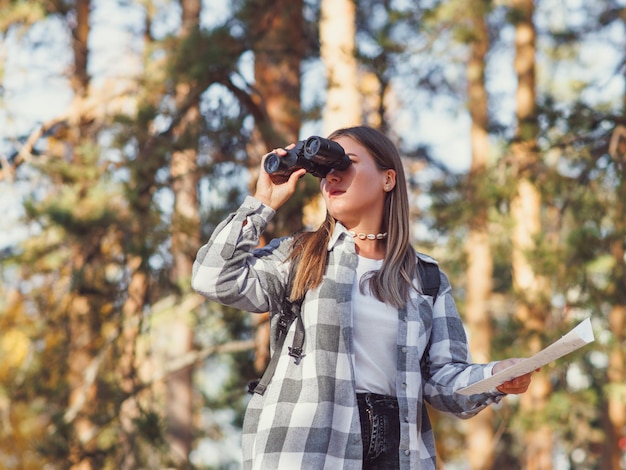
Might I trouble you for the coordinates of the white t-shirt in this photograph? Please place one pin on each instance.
(375, 337)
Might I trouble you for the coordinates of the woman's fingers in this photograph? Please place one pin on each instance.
(518, 384)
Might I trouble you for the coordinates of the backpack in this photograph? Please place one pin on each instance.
(290, 312)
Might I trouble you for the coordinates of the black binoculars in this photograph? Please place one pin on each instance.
(316, 155)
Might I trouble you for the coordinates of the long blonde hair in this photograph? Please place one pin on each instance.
(391, 284)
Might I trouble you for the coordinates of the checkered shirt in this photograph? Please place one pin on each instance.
(308, 417)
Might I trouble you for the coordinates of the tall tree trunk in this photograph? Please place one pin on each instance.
(337, 49)
(277, 29)
(132, 359)
(80, 77)
(342, 108)
(532, 306)
(82, 393)
(81, 335)
(128, 362)
(480, 441)
(279, 45)
(616, 403)
(185, 238)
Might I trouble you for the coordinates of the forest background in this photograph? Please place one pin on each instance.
(129, 128)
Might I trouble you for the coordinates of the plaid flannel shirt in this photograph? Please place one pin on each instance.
(308, 417)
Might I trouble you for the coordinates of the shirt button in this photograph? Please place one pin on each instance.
(404, 349)
(406, 419)
(404, 385)
(407, 452)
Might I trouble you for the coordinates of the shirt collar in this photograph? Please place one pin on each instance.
(340, 232)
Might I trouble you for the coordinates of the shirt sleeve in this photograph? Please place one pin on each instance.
(448, 365)
(231, 268)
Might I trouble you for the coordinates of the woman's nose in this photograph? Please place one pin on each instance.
(332, 176)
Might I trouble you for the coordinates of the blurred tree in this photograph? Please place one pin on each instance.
(342, 106)
(479, 277)
(185, 239)
(338, 53)
(278, 38)
(533, 306)
(104, 291)
(615, 444)
(616, 387)
(83, 299)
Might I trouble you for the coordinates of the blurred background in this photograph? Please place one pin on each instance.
(130, 128)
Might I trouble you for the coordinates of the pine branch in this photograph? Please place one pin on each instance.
(95, 107)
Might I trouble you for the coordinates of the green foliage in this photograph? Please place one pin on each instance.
(204, 56)
(451, 205)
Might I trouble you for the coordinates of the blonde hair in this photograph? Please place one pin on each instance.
(391, 284)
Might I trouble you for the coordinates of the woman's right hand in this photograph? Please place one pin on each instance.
(275, 192)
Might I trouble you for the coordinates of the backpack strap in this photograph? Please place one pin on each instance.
(430, 281)
(289, 312)
(429, 276)
(296, 348)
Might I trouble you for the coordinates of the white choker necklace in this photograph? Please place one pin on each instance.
(368, 236)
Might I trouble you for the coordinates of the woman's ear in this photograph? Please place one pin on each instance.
(389, 180)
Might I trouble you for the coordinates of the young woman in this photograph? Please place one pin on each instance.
(376, 349)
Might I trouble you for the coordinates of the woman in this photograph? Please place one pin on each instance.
(376, 347)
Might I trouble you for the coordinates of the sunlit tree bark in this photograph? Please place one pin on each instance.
(532, 308)
(342, 107)
(616, 390)
(185, 242)
(128, 360)
(480, 441)
(337, 48)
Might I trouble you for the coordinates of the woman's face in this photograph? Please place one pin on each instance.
(356, 195)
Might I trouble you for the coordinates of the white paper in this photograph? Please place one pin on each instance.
(575, 339)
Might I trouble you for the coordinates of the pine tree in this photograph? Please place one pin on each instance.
(479, 278)
(533, 303)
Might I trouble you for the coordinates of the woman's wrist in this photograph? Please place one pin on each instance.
(264, 200)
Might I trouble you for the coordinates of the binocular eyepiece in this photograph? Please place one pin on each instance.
(316, 155)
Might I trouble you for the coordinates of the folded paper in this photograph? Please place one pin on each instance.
(580, 336)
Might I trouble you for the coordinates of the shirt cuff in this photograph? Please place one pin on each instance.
(488, 371)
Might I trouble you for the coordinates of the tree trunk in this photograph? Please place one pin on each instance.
(127, 364)
(616, 396)
(279, 40)
(82, 393)
(132, 361)
(80, 77)
(480, 441)
(185, 238)
(616, 406)
(81, 335)
(277, 28)
(279, 47)
(532, 307)
(343, 103)
(337, 50)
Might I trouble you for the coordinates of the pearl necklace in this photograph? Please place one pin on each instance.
(368, 236)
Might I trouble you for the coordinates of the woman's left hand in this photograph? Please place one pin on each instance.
(514, 386)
